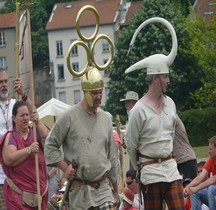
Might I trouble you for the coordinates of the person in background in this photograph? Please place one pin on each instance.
(130, 100)
(18, 149)
(86, 133)
(132, 184)
(56, 199)
(117, 141)
(200, 166)
(6, 106)
(184, 154)
(53, 176)
(127, 197)
(203, 189)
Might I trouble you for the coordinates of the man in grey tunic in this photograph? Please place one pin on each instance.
(86, 134)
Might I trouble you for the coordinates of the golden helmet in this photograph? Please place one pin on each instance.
(92, 80)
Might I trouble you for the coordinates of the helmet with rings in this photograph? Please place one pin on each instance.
(92, 80)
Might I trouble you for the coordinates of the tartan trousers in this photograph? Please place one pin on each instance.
(170, 192)
(105, 206)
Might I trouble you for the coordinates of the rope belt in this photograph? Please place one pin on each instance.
(79, 182)
(154, 160)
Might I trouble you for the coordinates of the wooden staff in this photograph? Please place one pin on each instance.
(17, 42)
(27, 5)
(118, 129)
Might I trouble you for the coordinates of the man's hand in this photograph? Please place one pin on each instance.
(192, 190)
(70, 172)
(186, 192)
(18, 87)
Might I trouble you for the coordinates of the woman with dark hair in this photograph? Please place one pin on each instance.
(17, 149)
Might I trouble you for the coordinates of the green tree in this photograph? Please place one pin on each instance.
(202, 34)
(152, 39)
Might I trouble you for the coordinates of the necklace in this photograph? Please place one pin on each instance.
(5, 114)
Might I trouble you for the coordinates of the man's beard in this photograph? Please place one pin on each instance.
(4, 95)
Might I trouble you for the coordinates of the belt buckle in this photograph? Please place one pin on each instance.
(159, 160)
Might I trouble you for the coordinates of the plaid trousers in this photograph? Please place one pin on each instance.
(2, 201)
(170, 192)
(104, 206)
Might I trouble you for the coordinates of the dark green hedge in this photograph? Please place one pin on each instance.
(200, 125)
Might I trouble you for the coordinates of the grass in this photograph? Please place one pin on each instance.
(201, 152)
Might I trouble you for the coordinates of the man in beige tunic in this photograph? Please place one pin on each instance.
(86, 134)
(150, 132)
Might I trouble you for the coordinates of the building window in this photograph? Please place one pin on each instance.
(3, 62)
(2, 39)
(211, 3)
(77, 96)
(74, 51)
(62, 96)
(75, 67)
(89, 44)
(60, 72)
(59, 48)
(106, 72)
(105, 46)
(208, 13)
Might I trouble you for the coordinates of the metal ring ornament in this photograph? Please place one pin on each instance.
(89, 52)
(102, 67)
(71, 70)
(83, 9)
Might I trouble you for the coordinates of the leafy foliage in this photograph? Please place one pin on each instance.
(202, 44)
(200, 125)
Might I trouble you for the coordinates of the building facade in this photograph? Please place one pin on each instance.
(8, 49)
(206, 8)
(8, 58)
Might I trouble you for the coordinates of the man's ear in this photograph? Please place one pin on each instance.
(155, 78)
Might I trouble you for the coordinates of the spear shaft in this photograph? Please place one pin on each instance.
(17, 41)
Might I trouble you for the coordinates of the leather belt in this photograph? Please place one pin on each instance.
(79, 182)
(155, 160)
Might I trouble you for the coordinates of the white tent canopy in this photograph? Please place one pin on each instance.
(50, 110)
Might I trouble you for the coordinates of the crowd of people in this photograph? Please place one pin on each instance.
(84, 146)
(97, 170)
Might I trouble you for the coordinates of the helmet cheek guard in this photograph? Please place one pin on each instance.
(89, 99)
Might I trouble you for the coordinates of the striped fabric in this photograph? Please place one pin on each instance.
(2, 202)
(172, 193)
